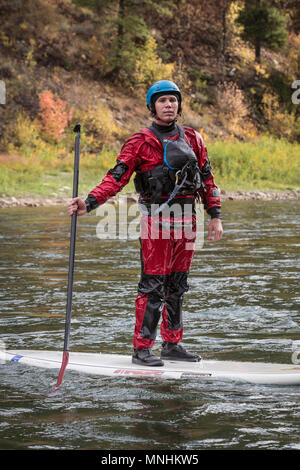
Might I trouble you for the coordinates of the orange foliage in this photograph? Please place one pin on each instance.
(54, 114)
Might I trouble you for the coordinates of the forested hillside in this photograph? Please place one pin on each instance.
(64, 61)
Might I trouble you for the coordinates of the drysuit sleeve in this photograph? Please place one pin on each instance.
(118, 176)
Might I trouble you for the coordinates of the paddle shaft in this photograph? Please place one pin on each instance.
(65, 360)
(72, 242)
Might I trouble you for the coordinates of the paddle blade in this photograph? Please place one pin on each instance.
(63, 366)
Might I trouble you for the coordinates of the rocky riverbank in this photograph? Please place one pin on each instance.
(260, 195)
(39, 201)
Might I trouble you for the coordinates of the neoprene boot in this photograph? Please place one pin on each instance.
(145, 357)
(176, 352)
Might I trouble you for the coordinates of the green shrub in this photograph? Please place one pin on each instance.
(266, 162)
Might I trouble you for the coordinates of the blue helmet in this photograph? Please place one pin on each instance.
(162, 87)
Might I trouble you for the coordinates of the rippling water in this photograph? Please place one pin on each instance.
(243, 304)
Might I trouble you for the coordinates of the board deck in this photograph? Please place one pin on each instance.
(117, 365)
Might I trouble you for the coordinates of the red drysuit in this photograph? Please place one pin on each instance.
(165, 261)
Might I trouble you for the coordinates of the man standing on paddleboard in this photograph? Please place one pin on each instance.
(172, 172)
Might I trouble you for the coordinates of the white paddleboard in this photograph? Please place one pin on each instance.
(116, 365)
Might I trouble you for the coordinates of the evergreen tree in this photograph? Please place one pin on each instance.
(127, 22)
(264, 26)
(133, 32)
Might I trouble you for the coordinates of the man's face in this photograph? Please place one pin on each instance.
(166, 107)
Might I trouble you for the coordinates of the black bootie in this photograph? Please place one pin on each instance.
(145, 357)
(176, 352)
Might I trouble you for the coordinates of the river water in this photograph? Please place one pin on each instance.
(243, 304)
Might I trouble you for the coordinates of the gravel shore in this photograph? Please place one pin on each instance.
(39, 201)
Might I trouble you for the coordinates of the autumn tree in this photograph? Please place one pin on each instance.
(54, 114)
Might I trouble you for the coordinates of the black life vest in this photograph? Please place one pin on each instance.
(178, 175)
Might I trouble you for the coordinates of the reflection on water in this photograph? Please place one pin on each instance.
(243, 304)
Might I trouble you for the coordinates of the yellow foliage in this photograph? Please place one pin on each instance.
(25, 133)
(29, 60)
(5, 40)
(293, 59)
(97, 56)
(281, 123)
(204, 135)
(99, 120)
(234, 32)
(149, 67)
(107, 158)
(261, 70)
